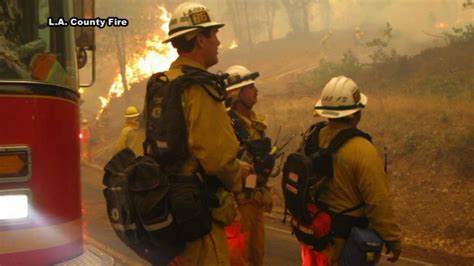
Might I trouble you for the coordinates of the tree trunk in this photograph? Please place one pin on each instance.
(304, 9)
(269, 11)
(292, 13)
(236, 26)
(122, 59)
(325, 8)
(249, 27)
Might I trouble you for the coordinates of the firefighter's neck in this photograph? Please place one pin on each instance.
(242, 108)
(131, 122)
(198, 57)
(347, 123)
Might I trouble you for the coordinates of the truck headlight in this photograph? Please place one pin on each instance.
(14, 205)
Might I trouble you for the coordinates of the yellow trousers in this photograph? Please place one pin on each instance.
(209, 250)
(326, 257)
(253, 224)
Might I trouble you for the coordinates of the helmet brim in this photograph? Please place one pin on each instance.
(134, 115)
(239, 85)
(185, 31)
(338, 113)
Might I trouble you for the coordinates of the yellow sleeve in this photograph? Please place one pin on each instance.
(372, 183)
(211, 139)
(121, 142)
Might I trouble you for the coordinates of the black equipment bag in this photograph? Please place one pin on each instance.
(305, 174)
(136, 196)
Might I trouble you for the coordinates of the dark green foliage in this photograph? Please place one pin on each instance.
(349, 66)
(460, 35)
(381, 53)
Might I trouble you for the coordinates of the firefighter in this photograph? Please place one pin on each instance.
(131, 122)
(359, 36)
(358, 173)
(136, 137)
(324, 41)
(211, 142)
(250, 130)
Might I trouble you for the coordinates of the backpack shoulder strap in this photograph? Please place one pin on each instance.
(239, 127)
(311, 141)
(339, 140)
(343, 136)
(204, 79)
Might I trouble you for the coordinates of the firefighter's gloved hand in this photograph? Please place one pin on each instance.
(227, 211)
(394, 247)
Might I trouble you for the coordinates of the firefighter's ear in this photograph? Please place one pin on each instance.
(200, 40)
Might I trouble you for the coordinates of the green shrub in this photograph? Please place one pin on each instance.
(448, 84)
(348, 66)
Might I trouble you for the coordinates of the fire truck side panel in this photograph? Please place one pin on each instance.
(48, 124)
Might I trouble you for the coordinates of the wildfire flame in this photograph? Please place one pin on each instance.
(233, 45)
(441, 25)
(156, 57)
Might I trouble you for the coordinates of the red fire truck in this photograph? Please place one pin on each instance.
(40, 194)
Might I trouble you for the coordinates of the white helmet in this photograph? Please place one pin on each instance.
(188, 17)
(239, 76)
(340, 97)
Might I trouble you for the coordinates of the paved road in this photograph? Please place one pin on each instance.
(281, 247)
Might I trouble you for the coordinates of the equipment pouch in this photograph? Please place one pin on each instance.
(363, 247)
(190, 208)
(149, 187)
(120, 209)
(136, 194)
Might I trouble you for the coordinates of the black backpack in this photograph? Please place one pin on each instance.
(305, 174)
(138, 207)
(151, 210)
(165, 126)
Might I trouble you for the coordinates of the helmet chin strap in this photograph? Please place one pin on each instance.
(242, 108)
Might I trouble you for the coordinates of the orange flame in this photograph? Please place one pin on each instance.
(441, 25)
(156, 57)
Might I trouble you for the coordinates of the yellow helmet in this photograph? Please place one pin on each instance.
(189, 17)
(239, 76)
(132, 111)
